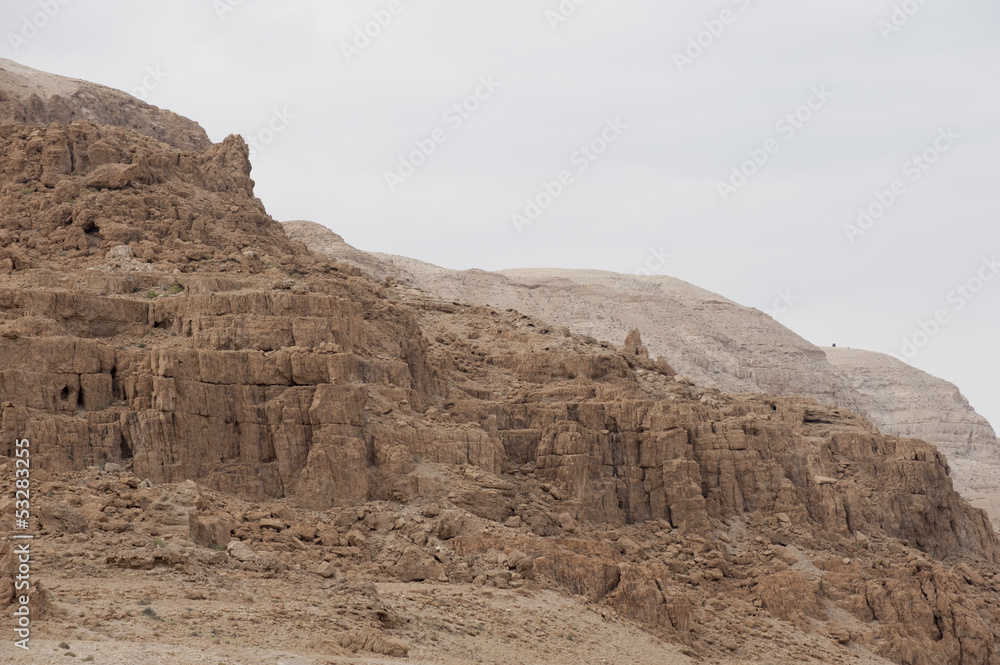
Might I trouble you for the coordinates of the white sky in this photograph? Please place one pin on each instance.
(656, 186)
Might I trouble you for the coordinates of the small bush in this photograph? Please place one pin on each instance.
(152, 294)
(27, 190)
(175, 289)
(88, 659)
(160, 542)
(63, 645)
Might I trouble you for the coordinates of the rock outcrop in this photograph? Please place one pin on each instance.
(277, 414)
(908, 402)
(31, 97)
(76, 191)
(714, 342)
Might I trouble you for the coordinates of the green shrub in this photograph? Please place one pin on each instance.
(151, 613)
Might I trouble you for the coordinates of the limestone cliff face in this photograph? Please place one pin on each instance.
(153, 315)
(908, 402)
(31, 97)
(73, 192)
(711, 340)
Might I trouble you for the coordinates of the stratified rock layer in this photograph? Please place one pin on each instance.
(908, 402)
(31, 97)
(153, 318)
(714, 342)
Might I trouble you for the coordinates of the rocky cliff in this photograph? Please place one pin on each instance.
(717, 343)
(156, 322)
(908, 402)
(28, 96)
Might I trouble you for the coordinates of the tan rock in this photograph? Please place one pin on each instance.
(415, 566)
(241, 551)
(210, 530)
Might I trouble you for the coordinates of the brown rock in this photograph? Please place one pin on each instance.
(372, 641)
(210, 530)
(450, 524)
(790, 596)
(58, 519)
(415, 566)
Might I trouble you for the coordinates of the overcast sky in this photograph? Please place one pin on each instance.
(836, 104)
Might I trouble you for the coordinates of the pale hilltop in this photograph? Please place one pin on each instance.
(32, 97)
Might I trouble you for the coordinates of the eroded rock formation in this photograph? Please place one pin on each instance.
(31, 97)
(716, 343)
(410, 438)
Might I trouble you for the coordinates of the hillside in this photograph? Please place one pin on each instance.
(243, 451)
(716, 343)
(28, 96)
